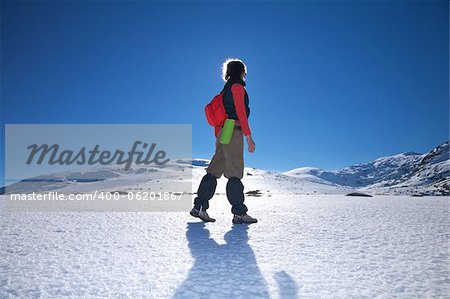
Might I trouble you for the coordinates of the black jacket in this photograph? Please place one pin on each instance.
(228, 102)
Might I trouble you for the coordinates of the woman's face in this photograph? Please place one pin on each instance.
(243, 74)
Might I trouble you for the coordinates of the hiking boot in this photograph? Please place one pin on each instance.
(202, 215)
(244, 218)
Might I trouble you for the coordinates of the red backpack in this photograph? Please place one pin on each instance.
(215, 111)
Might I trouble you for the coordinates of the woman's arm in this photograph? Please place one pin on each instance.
(238, 98)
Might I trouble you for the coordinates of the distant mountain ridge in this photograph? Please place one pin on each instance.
(427, 173)
(407, 173)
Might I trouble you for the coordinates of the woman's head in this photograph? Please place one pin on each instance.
(234, 69)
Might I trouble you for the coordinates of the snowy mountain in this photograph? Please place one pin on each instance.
(405, 173)
(142, 178)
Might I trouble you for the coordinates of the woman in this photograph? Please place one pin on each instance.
(228, 159)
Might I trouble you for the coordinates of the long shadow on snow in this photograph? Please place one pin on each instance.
(229, 270)
(287, 287)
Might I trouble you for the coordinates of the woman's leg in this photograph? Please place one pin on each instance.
(205, 192)
(235, 195)
(207, 186)
(234, 171)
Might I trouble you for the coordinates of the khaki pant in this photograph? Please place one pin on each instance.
(229, 158)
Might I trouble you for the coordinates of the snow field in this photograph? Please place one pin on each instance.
(327, 246)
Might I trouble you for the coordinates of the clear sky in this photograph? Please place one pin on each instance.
(331, 83)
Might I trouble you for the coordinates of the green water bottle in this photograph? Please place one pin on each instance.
(227, 131)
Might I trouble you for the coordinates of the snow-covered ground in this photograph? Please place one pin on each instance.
(303, 246)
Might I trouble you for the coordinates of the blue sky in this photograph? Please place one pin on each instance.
(331, 83)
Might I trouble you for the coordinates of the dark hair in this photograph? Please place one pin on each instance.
(232, 68)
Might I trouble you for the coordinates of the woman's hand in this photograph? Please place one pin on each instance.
(251, 144)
